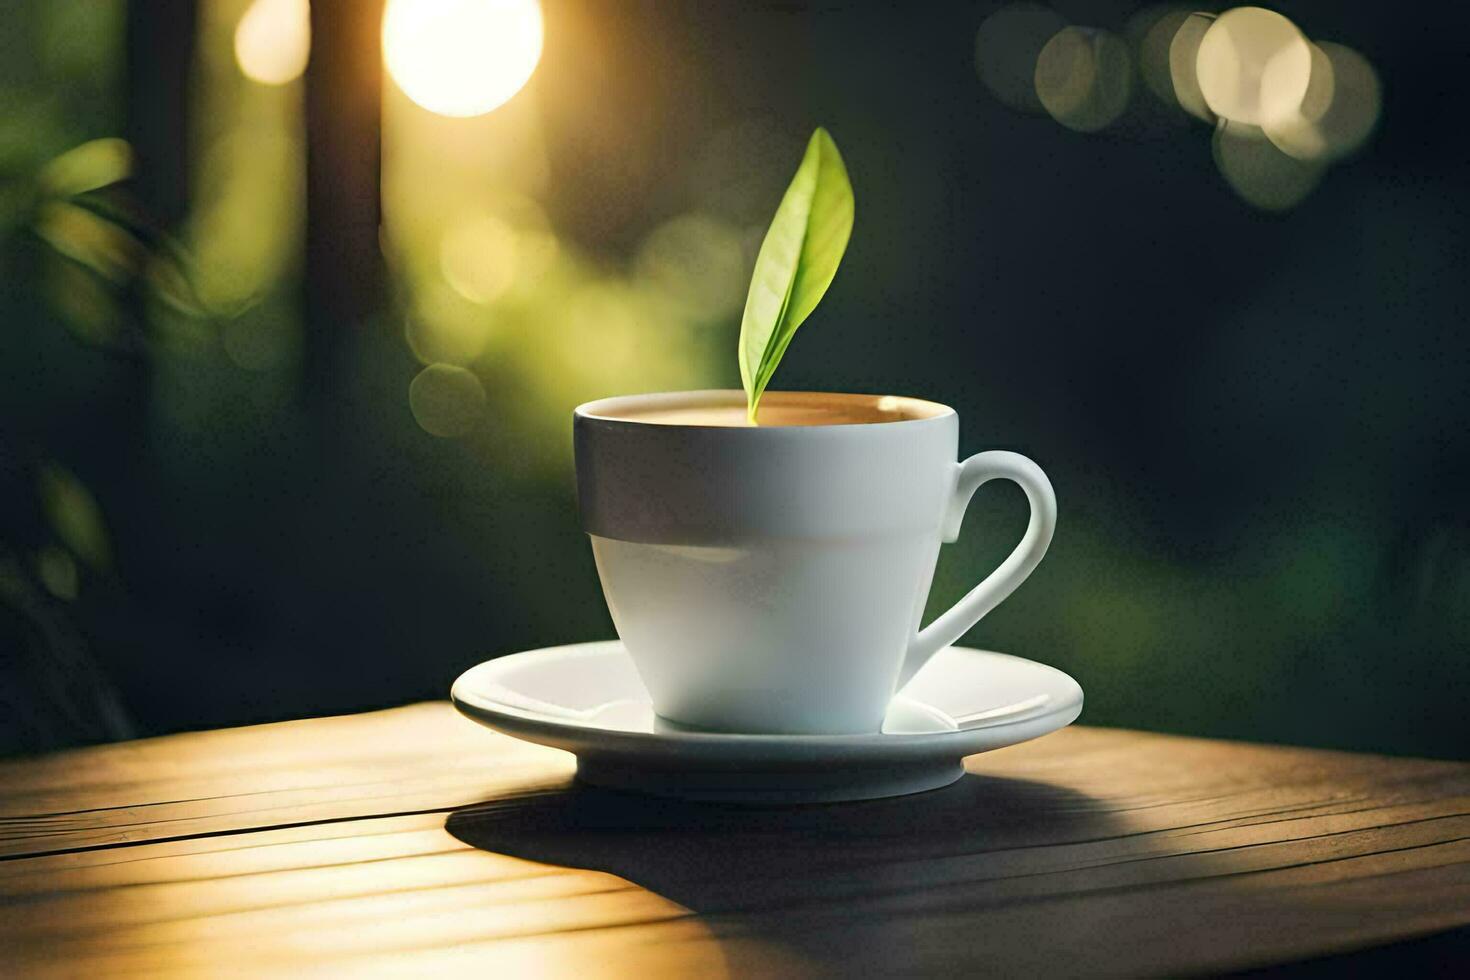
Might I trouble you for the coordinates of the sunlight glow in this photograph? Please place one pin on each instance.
(461, 57)
(273, 41)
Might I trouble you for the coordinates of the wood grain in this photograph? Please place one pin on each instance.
(410, 841)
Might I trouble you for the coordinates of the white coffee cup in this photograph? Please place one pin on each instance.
(771, 579)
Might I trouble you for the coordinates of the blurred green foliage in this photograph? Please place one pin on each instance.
(74, 516)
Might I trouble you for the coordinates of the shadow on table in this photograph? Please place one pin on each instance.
(794, 876)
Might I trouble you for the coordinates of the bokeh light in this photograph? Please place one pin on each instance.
(1153, 30)
(1258, 171)
(1083, 78)
(478, 258)
(1183, 62)
(446, 400)
(461, 57)
(273, 41)
(443, 325)
(244, 230)
(244, 233)
(1336, 115)
(602, 326)
(698, 262)
(1233, 55)
(1281, 106)
(489, 283)
(1006, 47)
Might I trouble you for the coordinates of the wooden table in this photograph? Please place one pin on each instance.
(413, 842)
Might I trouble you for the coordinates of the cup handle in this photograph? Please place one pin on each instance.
(969, 476)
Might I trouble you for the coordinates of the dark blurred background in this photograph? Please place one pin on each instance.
(273, 444)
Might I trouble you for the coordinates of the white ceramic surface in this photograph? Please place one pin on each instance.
(588, 699)
(772, 579)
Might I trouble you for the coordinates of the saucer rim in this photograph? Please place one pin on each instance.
(876, 748)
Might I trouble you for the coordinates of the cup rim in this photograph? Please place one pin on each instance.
(604, 409)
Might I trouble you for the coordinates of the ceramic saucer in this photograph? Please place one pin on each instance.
(587, 699)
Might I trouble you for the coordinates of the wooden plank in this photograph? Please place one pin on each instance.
(1090, 851)
(320, 770)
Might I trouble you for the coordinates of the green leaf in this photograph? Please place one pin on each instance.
(94, 164)
(74, 516)
(797, 261)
